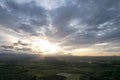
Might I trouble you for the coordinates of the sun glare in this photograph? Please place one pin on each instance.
(44, 46)
(41, 45)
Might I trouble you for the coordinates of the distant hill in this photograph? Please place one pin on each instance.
(10, 56)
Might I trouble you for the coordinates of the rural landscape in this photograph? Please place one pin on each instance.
(59, 68)
(59, 39)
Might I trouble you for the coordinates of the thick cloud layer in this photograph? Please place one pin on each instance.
(24, 17)
(73, 23)
(88, 22)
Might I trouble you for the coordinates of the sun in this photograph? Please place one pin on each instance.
(41, 45)
(44, 46)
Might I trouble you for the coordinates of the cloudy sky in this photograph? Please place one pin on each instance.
(77, 27)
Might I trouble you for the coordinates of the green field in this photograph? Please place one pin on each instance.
(60, 68)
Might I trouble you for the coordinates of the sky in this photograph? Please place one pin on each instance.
(60, 27)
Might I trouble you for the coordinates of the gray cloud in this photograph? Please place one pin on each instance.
(21, 43)
(79, 23)
(7, 47)
(98, 22)
(23, 49)
(24, 17)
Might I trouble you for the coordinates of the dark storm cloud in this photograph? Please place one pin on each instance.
(22, 17)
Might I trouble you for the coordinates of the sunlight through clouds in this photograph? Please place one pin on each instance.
(66, 25)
